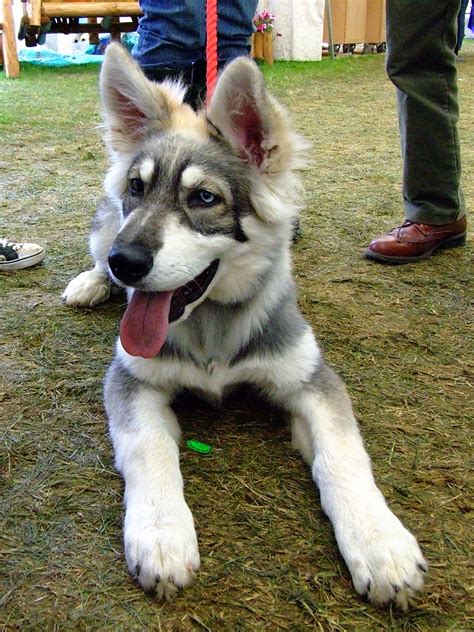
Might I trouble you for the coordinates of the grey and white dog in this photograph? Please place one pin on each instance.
(197, 226)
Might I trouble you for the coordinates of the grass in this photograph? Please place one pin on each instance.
(398, 336)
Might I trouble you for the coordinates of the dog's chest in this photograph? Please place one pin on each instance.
(213, 376)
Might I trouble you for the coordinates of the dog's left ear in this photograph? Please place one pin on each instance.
(133, 106)
(250, 119)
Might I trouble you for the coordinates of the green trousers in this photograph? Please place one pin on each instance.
(421, 38)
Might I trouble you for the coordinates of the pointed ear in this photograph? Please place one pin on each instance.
(132, 104)
(250, 119)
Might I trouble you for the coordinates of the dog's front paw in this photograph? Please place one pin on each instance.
(385, 561)
(161, 548)
(87, 289)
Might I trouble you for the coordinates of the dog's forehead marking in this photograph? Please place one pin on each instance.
(192, 176)
(185, 121)
(146, 169)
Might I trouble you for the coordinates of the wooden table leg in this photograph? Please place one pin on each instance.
(10, 54)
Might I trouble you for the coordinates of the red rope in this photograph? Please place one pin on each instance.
(211, 48)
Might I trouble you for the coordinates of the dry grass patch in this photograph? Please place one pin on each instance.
(398, 336)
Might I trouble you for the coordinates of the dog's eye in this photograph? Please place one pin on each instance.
(136, 186)
(207, 197)
(203, 198)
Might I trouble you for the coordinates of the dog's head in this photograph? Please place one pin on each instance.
(206, 197)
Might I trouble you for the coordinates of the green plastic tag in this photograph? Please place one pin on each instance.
(197, 446)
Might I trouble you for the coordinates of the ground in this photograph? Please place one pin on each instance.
(399, 336)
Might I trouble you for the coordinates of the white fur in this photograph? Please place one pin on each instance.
(100, 241)
(383, 558)
(93, 286)
(159, 535)
(146, 169)
(87, 289)
(116, 178)
(170, 375)
(184, 255)
(243, 265)
(192, 176)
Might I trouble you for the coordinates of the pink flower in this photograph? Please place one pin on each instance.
(264, 19)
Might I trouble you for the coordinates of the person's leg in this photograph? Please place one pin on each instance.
(421, 63)
(171, 33)
(234, 28)
(172, 39)
(172, 43)
(421, 38)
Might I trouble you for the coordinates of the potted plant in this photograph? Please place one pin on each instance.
(262, 39)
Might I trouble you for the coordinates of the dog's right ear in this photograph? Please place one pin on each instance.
(132, 104)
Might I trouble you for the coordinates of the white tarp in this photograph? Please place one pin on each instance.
(300, 23)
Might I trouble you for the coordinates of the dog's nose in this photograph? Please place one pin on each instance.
(129, 263)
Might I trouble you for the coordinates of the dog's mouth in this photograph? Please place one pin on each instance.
(144, 326)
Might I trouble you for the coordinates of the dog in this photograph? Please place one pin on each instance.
(196, 225)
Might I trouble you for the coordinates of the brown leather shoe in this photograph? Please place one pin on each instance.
(412, 242)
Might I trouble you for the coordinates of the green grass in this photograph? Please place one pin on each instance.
(400, 338)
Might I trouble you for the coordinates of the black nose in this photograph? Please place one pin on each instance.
(130, 262)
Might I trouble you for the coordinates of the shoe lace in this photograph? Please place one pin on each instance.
(13, 245)
(405, 224)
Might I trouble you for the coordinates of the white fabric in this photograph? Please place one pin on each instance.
(300, 23)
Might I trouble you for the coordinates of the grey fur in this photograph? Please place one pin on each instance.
(119, 388)
(283, 327)
(163, 195)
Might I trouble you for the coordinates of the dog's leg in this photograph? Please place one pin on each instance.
(160, 539)
(383, 558)
(93, 286)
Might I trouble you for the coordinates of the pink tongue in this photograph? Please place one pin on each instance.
(144, 325)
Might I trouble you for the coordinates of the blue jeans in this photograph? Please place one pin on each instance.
(172, 33)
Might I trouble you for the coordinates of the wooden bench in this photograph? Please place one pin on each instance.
(52, 16)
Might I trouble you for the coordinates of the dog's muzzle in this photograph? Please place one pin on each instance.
(144, 326)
